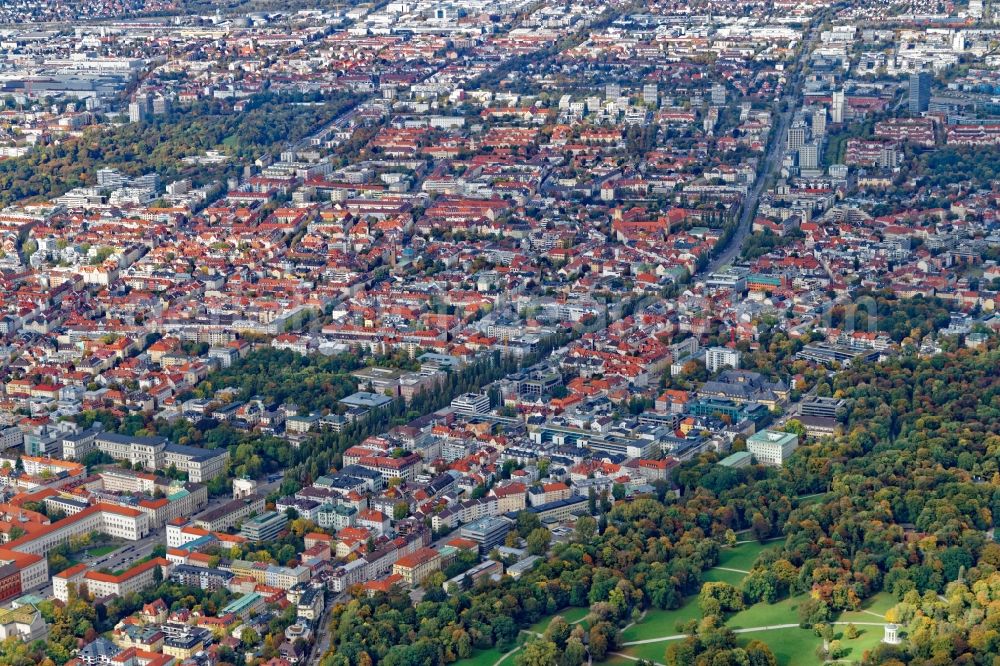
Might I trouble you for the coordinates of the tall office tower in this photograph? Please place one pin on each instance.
(650, 94)
(612, 91)
(819, 121)
(717, 358)
(888, 157)
(139, 108)
(136, 112)
(958, 41)
(920, 91)
(809, 156)
(796, 137)
(161, 105)
(838, 110)
(718, 94)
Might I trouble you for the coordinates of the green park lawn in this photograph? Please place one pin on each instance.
(762, 615)
(650, 651)
(811, 499)
(100, 551)
(720, 576)
(744, 555)
(482, 658)
(662, 622)
(493, 655)
(571, 615)
(616, 660)
(798, 646)
(878, 604)
(791, 645)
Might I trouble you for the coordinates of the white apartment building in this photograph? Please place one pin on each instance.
(717, 358)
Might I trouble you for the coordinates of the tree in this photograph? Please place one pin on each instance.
(720, 597)
(574, 653)
(813, 611)
(504, 631)
(585, 529)
(538, 541)
(759, 654)
(682, 652)
(539, 652)
(760, 526)
(543, 468)
(526, 522)
(558, 631)
(795, 426)
(760, 585)
(900, 461)
(598, 643)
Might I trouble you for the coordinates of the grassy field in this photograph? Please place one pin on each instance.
(615, 660)
(791, 647)
(720, 576)
(878, 605)
(571, 615)
(651, 651)
(482, 658)
(101, 550)
(813, 499)
(798, 646)
(493, 655)
(744, 555)
(868, 639)
(762, 615)
(662, 622)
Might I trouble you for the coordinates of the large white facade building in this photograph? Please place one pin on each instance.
(772, 448)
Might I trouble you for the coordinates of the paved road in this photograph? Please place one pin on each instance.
(126, 555)
(770, 164)
(322, 643)
(132, 551)
(747, 630)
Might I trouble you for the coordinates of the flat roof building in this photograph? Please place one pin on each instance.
(488, 532)
(367, 401)
(264, 527)
(771, 447)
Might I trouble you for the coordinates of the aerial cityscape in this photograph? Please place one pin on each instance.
(499, 333)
